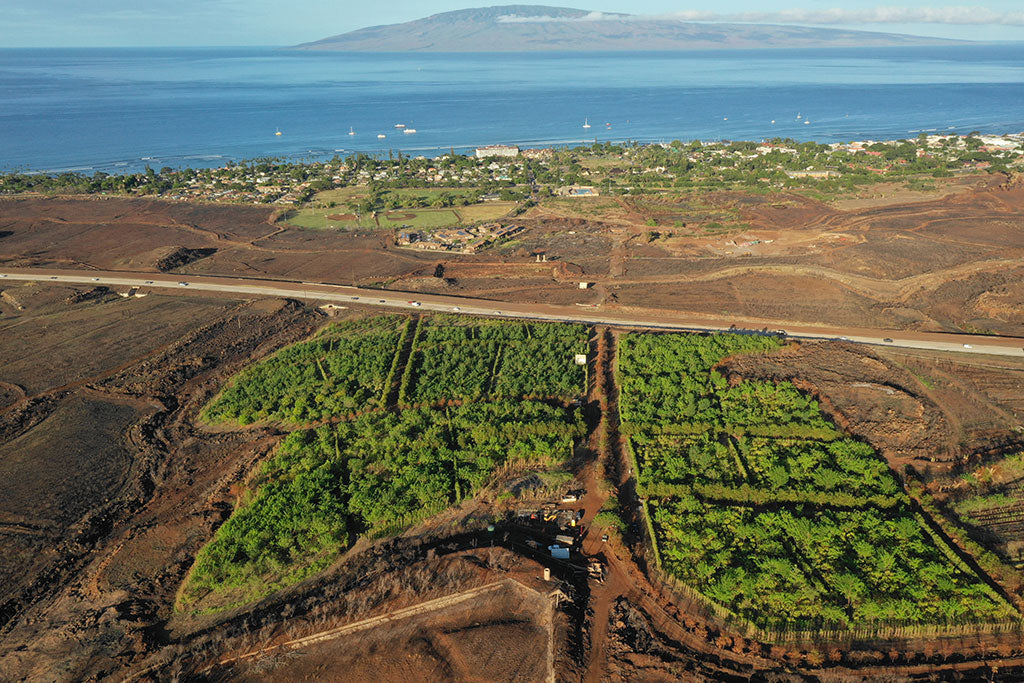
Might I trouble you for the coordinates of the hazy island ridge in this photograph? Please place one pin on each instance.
(536, 28)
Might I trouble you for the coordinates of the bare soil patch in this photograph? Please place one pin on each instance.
(888, 194)
(502, 636)
(153, 488)
(53, 343)
(65, 467)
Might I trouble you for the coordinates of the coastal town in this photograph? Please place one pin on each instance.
(508, 173)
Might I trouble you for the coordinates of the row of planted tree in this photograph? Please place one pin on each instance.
(759, 505)
(370, 468)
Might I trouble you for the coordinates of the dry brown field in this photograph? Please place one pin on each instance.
(948, 260)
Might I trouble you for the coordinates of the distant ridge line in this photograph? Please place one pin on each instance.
(535, 28)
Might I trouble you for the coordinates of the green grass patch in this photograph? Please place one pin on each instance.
(481, 213)
(419, 218)
(976, 504)
(326, 219)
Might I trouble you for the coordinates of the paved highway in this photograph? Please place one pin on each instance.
(340, 295)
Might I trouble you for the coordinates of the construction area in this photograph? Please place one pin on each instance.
(467, 240)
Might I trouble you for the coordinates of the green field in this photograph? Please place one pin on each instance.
(582, 207)
(761, 505)
(482, 213)
(418, 219)
(371, 471)
(414, 210)
(320, 219)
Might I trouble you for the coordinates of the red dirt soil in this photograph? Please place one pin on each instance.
(951, 263)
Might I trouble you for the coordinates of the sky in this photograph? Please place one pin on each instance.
(109, 23)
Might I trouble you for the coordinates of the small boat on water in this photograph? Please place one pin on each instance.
(409, 131)
(278, 132)
(586, 123)
(399, 125)
(351, 131)
(381, 136)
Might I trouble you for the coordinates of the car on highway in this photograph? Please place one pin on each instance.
(355, 298)
(497, 313)
(53, 277)
(888, 340)
(95, 279)
(968, 346)
(456, 309)
(183, 284)
(3, 274)
(414, 303)
(381, 301)
(149, 282)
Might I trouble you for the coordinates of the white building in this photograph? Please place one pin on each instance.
(497, 151)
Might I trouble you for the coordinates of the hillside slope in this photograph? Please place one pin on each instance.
(531, 28)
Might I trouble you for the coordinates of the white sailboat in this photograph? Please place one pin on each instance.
(351, 131)
(586, 123)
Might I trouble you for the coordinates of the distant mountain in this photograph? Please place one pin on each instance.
(530, 28)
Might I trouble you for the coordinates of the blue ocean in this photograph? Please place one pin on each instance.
(123, 109)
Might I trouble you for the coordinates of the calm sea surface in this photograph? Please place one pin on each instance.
(120, 109)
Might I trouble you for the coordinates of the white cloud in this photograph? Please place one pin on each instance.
(875, 15)
(958, 16)
(592, 16)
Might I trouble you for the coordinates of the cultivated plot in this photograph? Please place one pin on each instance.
(373, 470)
(757, 502)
